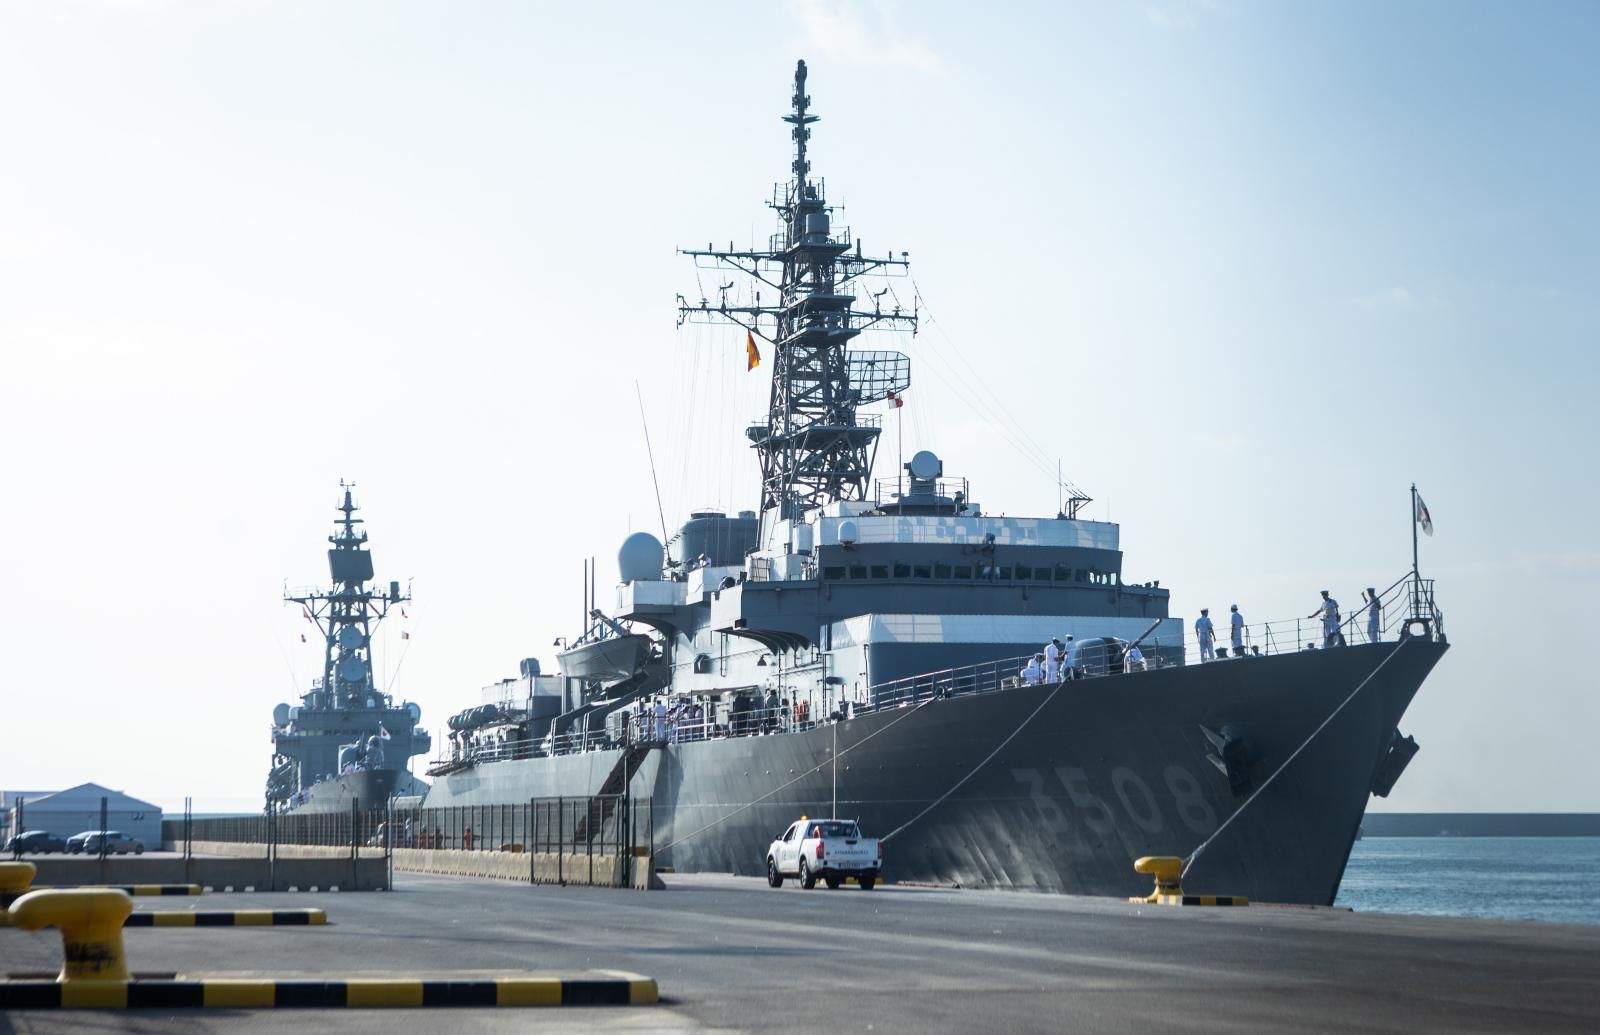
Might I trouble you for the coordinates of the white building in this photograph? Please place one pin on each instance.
(77, 809)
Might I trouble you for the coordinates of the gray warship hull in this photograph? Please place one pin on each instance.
(1051, 788)
(370, 789)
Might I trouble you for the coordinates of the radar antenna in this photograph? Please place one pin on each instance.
(814, 447)
(345, 613)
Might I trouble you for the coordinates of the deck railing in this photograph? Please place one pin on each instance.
(1405, 607)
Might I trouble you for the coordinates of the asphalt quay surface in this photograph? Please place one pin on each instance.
(731, 953)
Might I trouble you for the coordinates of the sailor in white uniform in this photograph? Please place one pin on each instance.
(1236, 620)
(1133, 660)
(1374, 616)
(1031, 672)
(661, 719)
(1052, 661)
(1206, 634)
(1069, 661)
(1330, 619)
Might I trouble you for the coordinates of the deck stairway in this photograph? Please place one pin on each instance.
(606, 800)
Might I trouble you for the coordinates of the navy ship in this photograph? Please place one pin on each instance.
(347, 741)
(876, 649)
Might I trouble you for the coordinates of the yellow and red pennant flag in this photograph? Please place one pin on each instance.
(752, 354)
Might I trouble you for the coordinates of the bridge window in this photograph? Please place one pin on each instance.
(921, 571)
(941, 571)
(833, 573)
(1005, 575)
(858, 571)
(902, 571)
(1041, 574)
(963, 571)
(1063, 573)
(880, 571)
(1024, 573)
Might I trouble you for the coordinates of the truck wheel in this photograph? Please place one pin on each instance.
(774, 878)
(866, 881)
(807, 881)
(834, 882)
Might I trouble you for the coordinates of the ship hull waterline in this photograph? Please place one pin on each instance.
(1053, 788)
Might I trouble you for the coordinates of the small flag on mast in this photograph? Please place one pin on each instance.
(383, 734)
(405, 634)
(1424, 518)
(752, 354)
(895, 400)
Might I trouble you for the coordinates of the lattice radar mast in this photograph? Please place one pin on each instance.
(815, 446)
(346, 613)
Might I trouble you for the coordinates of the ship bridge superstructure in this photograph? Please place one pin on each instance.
(345, 722)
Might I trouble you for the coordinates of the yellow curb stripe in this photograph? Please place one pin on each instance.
(94, 995)
(527, 992)
(172, 920)
(642, 990)
(382, 992)
(240, 995)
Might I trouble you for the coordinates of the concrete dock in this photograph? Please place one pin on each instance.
(731, 953)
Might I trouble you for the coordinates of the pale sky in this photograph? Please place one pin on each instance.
(1248, 270)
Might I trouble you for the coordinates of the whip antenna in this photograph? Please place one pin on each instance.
(650, 453)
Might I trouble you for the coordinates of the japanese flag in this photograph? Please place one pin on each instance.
(1423, 517)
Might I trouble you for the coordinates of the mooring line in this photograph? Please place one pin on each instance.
(974, 772)
(1189, 860)
(831, 759)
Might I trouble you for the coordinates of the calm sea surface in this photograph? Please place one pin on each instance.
(1502, 878)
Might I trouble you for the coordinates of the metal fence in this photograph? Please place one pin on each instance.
(607, 824)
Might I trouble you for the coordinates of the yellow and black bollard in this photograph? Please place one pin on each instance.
(91, 922)
(15, 880)
(1168, 872)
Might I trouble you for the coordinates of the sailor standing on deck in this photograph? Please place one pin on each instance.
(1374, 616)
(661, 719)
(1206, 634)
(1330, 619)
(1069, 662)
(1236, 620)
(1052, 661)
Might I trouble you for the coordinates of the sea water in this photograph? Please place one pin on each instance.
(1501, 878)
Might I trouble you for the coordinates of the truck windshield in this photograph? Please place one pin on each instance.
(835, 829)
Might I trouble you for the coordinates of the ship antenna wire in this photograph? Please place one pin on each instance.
(1189, 860)
(660, 510)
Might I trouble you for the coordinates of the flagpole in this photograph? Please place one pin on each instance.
(900, 441)
(1415, 576)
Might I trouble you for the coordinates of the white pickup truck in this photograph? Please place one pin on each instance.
(824, 849)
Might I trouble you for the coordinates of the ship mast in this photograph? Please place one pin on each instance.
(815, 447)
(346, 613)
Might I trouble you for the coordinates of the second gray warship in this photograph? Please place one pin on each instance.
(347, 741)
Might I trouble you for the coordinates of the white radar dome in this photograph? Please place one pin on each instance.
(640, 558)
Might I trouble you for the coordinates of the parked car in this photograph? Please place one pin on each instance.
(117, 843)
(75, 842)
(826, 849)
(36, 841)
